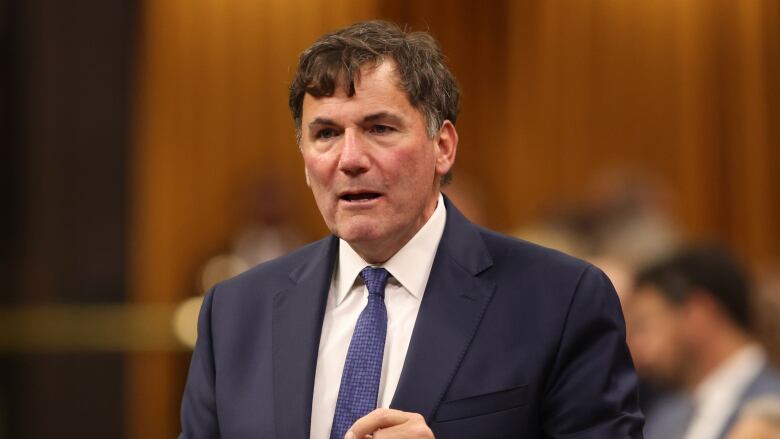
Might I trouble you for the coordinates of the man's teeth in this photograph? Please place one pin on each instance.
(361, 196)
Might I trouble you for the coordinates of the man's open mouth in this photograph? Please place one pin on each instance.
(361, 196)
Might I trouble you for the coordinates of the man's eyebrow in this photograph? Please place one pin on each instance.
(382, 115)
(321, 121)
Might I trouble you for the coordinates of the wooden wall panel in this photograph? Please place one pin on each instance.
(554, 94)
(748, 150)
(678, 89)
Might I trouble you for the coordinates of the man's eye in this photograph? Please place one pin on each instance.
(381, 129)
(326, 133)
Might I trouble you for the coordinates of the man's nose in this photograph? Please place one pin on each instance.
(354, 157)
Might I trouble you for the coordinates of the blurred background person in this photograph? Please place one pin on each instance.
(759, 419)
(690, 331)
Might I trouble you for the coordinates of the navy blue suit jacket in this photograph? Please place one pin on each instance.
(512, 340)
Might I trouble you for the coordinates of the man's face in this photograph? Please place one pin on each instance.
(370, 163)
(656, 336)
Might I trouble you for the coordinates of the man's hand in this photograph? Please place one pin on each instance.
(390, 424)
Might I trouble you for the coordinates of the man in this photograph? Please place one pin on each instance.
(689, 329)
(447, 329)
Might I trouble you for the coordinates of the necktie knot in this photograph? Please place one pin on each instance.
(375, 279)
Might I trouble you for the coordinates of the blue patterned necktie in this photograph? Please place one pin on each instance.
(363, 368)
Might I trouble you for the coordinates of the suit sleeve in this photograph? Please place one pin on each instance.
(592, 389)
(198, 407)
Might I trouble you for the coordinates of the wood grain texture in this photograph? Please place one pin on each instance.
(554, 95)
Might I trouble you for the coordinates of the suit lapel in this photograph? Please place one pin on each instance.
(455, 300)
(297, 322)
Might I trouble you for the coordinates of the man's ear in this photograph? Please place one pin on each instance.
(446, 148)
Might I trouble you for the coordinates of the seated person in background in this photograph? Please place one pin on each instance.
(689, 330)
(760, 419)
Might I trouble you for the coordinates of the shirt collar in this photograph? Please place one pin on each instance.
(733, 376)
(410, 266)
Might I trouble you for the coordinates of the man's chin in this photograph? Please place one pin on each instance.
(361, 240)
(361, 232)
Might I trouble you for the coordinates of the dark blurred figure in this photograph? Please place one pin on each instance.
(689, 329)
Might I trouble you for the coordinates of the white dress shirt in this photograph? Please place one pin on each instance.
(717, 396)
(409, 269)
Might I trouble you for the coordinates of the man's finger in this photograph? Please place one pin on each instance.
(379, 418)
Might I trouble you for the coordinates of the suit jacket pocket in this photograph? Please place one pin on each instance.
(482, 404)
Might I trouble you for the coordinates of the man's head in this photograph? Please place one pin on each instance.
(374, 110)
(337, 59)
(685, 312)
